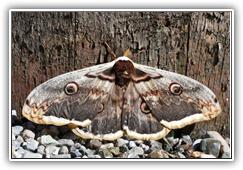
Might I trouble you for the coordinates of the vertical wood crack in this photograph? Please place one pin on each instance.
(187, 46)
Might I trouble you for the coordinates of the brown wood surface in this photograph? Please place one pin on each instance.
(195, 44)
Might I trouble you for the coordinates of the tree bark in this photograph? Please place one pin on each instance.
(195, 44)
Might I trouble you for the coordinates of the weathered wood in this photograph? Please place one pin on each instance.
(196, 44)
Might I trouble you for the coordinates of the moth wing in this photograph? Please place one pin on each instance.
(196, 102)
(49, 104)
(106, 125)
(137, 124)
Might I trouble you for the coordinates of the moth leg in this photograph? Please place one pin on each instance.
(113, 55)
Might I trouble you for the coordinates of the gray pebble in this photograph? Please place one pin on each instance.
(120, 142)
(63, 150)
(32, 141)
(17, 129)
(32, 155)
(63, 156)
(134, 152)
(107, 145)
(138, 142)
(74, 151)
(187, 139)
(41, 149)
(20, 139)
(94, 143)
(224, 145)
(97, 156)
(206, 156)
(155, 144)
(29, 147)
(83, 150)
(144, 147)
(104, 153)
(210, 146)
(48, 140)
(51, 150)
(132, 144)
(66, 142)
(13, 137)
(15, 145)
(226, 155)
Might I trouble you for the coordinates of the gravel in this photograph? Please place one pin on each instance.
(30, 140)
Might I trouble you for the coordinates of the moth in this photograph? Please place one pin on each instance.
(108, 100)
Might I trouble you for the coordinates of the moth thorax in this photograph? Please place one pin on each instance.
(123, 70)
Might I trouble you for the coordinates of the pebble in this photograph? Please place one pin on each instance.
(66, 142)
(48, 140)
(180, 155)
(121, 142)
(226, 155)
(135, 152)
(32, 155)
(206, 156)
(94, 143)
(107, 145)
(17, 129)
(213, 134)
(155, 144)
(114, 150)
(27, 134)
(70, 135)
(104, 153)
(41, 149)
(30, 147)
(63, 150)
(158, 154)
(132, 144)
(63, 156)
(51, 151)
(123, 148)
(210, 146)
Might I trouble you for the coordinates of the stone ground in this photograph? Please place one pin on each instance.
(30, 140)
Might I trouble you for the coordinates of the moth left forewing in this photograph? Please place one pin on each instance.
(196, 102)
(49, 104)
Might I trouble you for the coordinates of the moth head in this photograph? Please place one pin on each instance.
(176, 89)
(71, 88)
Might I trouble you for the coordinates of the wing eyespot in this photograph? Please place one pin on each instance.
(71, 88)
(101, 108)
(176, 89)
(144, 107)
